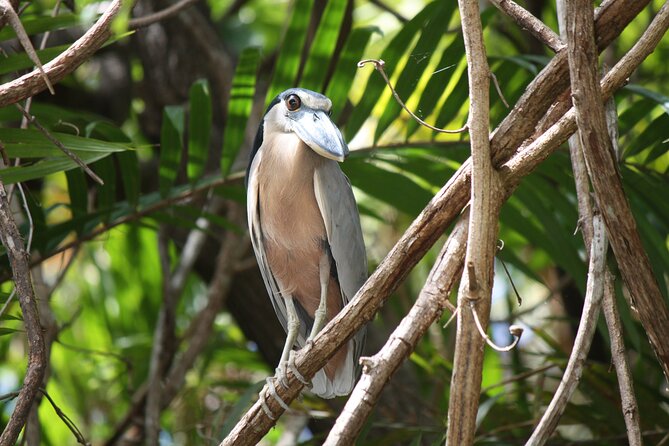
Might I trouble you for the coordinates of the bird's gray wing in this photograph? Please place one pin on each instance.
(255, 231)
(342, 223)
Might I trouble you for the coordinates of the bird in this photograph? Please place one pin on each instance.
(305, 230)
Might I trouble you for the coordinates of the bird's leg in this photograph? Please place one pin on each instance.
(293, 327)
(321, 313)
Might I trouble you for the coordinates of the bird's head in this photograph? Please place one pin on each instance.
(307, 114)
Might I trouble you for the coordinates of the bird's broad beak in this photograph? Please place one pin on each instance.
(316, 129)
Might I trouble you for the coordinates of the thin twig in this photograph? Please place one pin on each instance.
(529, 22)
(33, 120)
(142, 22)
(18, 257)
(379, 66)
(514, 330)
(67, 420)
(586, 330)
(498, 89)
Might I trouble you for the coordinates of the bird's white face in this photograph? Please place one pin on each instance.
(307, 114)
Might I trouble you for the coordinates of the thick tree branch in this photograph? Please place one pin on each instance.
(32, 83)
(601, 162)
(18, 258)
(418, 238)
(476, 285)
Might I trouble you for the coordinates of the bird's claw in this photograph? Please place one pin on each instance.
(293, 368)
(271, 390)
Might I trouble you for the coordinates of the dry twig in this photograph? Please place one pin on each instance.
(528, 22)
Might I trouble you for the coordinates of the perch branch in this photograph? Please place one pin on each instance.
(18, 258)
(379, 368)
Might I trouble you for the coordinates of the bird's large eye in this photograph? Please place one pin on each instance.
(293, 102)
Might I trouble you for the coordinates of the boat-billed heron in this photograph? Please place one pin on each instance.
(305, 229)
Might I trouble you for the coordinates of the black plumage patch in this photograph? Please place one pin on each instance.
(257, 142)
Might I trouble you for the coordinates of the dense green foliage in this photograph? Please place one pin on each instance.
(99, 269)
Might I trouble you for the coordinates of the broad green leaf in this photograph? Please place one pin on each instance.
(40, 24)
(239, 106)
(29, 143)
(655, 96)
(454, 103)
(128, 165)
(288, 62)
(391, 55)
(346, 69)
(106, 194)
(446, 69)
(383, 184)
(433, 28)
(199, 128)
(21, 61)
(78, 191)
(171, 146)
(46, 167)
(323, 46)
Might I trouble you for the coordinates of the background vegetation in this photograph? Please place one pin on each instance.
(165, 114)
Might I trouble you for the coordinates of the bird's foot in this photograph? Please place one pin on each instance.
(271, 390)
(293, 368)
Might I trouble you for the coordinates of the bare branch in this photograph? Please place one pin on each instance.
(7, 11)
(602, 168)
(141, 22)
(476, 284)
(31, 83)
(586, 330)
(18, 258)
(379, 66)
(528, 22)
(619, 356)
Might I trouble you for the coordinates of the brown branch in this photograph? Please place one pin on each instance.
(586, 331)
(30, 84)
(476, 285)
(428, 308)
(611, 18)
(618, 354)
(418, 238)
(18, 258)
(602, 168)
(530, 23)
(8, 13)
(141, 22)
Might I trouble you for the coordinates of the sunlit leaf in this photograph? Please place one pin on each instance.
(239, 106)
(199, 128)
(171, 146)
